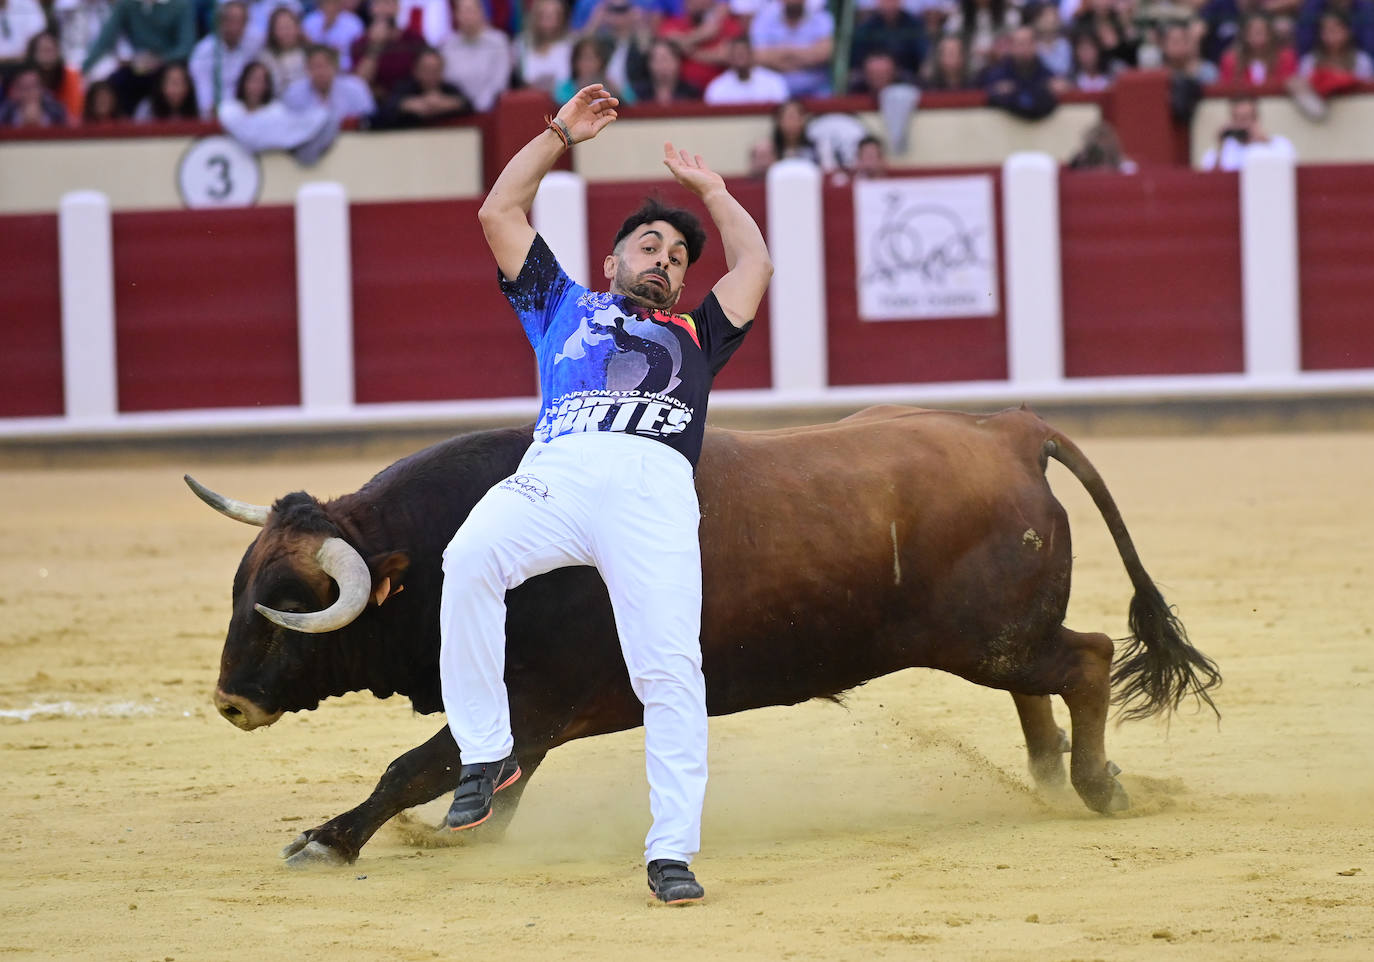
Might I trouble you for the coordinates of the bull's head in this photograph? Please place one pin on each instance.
(298, 577)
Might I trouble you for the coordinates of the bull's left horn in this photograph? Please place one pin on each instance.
(255, 514)
(341, 561)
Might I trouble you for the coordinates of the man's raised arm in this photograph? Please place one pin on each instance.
(747, 261)
(505, 212)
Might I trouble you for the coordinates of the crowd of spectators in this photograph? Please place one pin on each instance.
(305, 65)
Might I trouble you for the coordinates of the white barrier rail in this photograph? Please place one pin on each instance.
(1034, 312)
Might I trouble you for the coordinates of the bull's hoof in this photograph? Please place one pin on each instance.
(305, 852)
(1065, 746)
(1105, 794)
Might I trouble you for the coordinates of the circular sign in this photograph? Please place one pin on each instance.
(219, 172)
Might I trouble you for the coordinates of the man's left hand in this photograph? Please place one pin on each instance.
(691, 171)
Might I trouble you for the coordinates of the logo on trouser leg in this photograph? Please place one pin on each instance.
(528, 487)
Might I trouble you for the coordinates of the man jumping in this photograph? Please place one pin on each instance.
(608, 481)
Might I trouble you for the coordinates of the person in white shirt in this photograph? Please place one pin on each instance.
(20, 21)
(344, 94)
(477, 56)
(1242, 134)
(219, 58)
(744, 82)
(333, 26)
(432, 19)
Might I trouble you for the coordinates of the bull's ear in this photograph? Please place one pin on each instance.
(388, 573)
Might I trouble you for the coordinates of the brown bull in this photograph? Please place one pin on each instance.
(832, 554)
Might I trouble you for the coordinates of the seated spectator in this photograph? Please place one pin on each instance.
(345, 95)
(797, 42)
(334, 26)
(1358, 14)
(789, 138)
(1257, 58)
(591, 55)
(543, 51)
(60, 80)
(702, 35)
(424, 97)
(101, 106)
(155, 33)
(1116, 34)
(1088, 72)
(978, 23)
(284, 52)
(948, 69)
(628, 29)
(1020, 83)
(744, 82)
(1241, 132)
(477, 57)
(431, 19)
(877, 71)
(20, 22)
(1335, 65)
(892, 30)
(1221, 22)
(385, 55)
(262, 12)
(259, 121)
(220, 57)
(869, 162)
(1101, 150)
(1188, 72)
(78, 23)
(254, 88)
(665, 84)
(28, 104)
(173, 96)
(1055, 50)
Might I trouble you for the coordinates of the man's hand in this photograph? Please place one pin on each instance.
(590, 111)
(691, 171)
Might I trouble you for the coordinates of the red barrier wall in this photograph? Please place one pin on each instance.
(1151, 267)
(607, 207)
(899, 352)
(429, 322)
(1336, 266)
(205, 308)
(30, 318)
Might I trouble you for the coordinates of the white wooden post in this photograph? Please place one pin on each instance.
(86, 266)
(560, 215)
(1269, 263)
(324, 297)
(796, 303)
(1034, 280)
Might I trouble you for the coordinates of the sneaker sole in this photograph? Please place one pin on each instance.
(506, 784)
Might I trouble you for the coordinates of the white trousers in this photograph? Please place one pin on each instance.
(627, 506)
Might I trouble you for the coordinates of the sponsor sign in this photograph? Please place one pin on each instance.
(926, 247)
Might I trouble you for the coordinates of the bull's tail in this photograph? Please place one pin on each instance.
(1157, 667)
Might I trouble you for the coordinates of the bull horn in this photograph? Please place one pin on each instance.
(254, 514)
(341, 561)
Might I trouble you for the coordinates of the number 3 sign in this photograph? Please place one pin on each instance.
(218, 172)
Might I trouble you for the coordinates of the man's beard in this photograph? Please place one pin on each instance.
(639, 288)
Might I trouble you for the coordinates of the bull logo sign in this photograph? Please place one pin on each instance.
(926, 247)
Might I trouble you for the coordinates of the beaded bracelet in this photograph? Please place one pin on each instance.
(561, 129)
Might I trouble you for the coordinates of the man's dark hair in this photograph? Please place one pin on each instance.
(684, 221)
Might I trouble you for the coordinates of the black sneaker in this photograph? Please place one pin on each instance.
(673, 882)
(476, 785)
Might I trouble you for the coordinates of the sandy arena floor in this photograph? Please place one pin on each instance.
(141, 826)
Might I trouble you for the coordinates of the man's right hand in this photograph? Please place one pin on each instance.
(590, 111)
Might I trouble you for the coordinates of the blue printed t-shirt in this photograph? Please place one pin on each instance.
(609, 364)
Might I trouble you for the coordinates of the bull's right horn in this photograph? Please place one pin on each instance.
(255, 514)
(341, 561)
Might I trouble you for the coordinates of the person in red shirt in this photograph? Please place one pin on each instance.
(702, 36)
(1257, 57)
(385, 55)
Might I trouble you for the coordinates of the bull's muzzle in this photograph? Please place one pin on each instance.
(241, 712)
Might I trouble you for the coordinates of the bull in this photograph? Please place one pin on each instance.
(832, 555)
